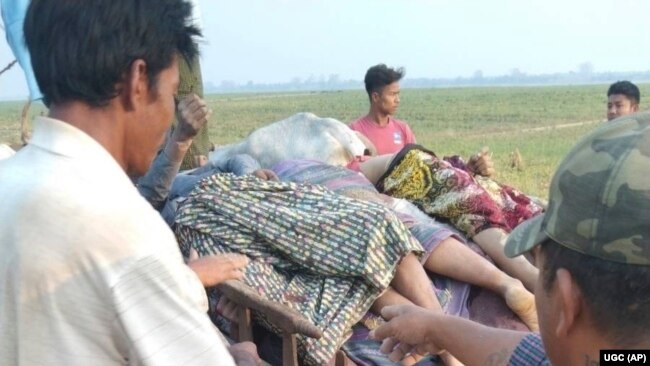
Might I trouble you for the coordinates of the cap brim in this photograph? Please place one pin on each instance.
(525, 237)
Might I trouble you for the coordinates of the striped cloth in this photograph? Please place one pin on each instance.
(529, 352)
(325, 255)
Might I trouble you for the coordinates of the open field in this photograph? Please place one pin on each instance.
(541, 122)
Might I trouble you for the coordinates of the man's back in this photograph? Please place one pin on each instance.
(90, 272)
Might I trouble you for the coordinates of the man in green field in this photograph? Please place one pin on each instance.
(593, 250)
(623, 98)
(387, 134)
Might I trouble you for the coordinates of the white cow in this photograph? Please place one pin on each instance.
(301, 136)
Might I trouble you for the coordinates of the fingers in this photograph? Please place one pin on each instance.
(266, 174)
(481, 163)
(200, 160)
(388, 345)
(400, 352)
(193, 115)
(215, 269)
(227, 309)
(236, 261)
(390, 312)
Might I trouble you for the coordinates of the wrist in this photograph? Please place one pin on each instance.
(176, 150)
(435, 329)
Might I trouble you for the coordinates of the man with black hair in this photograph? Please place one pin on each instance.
(623, 98)
(593, 250)
(388, 134)
(90, 273)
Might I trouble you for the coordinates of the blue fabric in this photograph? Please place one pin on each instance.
(13, 16)
(184, 183)
(529, 352)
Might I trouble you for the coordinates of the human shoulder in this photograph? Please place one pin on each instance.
(358, 123)
(400, 123)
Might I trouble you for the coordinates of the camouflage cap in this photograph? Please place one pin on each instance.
(599, 198)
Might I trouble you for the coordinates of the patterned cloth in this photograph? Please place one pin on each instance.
(529, 352)
(453, 295)
(325, 255)
(443, 191)
(352, 184)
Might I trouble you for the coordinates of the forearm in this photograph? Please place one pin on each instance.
(155, 185)
(175, 151)
(473, 343)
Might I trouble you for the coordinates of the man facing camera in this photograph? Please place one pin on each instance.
(623, 98)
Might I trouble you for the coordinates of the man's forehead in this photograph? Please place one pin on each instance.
(618, 98)
(392, 86)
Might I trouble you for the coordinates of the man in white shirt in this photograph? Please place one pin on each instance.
(89, 272)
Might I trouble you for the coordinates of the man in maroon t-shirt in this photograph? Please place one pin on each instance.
(388, 134)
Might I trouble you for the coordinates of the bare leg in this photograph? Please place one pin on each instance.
(376, 166)
(411, 285)
(455, 260)
(412, 282)
(389, 297)
(492, 241)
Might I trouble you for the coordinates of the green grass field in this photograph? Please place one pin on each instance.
(541, 122)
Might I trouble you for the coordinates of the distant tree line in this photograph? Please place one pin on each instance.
(583, 75)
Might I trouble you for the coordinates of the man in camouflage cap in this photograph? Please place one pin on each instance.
(593, 250)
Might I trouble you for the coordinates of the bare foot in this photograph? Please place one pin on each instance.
(522, 303)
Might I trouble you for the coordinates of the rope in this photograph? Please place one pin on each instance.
(11, 64)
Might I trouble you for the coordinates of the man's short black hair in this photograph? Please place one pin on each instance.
(81, 49)
(378, 76)
(616, 294)
(626, 88)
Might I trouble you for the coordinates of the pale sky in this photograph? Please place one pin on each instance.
(276, 40)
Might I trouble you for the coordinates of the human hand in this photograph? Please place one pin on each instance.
(215, 269)
(266, 174)
(193, 115)
(245, 353)
(481, 163)
(406, 331)
(228, 309)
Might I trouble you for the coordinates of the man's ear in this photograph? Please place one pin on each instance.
(569, 303)
(136, 84)
(635, 108)
(374, 96)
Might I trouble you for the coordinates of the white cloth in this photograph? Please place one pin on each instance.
(89, 272)
(6, 151)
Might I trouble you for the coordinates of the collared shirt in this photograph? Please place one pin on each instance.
(89, 272)
(529, 352)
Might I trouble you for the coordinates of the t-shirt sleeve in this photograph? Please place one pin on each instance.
(410, 136)
(159, 307)
(529, 352)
